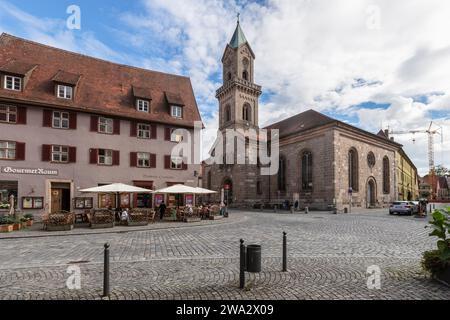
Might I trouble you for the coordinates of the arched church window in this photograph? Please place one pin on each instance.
(282, 174)
(227, 113)
(209, 180)
(247, 113)
(353, 167)
(229, 76)
(386, 176)
(307, 178)
(245, 75)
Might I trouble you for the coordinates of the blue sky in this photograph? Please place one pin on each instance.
(369, 65)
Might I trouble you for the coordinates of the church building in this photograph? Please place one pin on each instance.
(323, 162)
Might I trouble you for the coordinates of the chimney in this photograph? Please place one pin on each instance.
(386, 133)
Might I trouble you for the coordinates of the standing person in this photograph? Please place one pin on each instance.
(162, 210)
(222, 208)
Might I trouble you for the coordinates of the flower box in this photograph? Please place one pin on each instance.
(17, 226)
(6, 228)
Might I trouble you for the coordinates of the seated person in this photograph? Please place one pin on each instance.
(124, 216)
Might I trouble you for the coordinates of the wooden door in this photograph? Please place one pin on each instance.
(56, 200)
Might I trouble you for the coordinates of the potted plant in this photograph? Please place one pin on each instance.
(6, 224)
(29, 219)
(437, 262)
(17, 225)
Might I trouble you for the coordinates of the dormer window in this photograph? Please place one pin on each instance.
(13, 83)
(64, 92)
(143, 105)
(177, 112)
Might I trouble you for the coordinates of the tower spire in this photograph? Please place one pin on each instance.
(238, 36)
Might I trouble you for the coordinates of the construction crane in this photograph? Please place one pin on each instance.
(431, 132)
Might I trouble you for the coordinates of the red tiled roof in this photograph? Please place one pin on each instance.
(174, 99)
(104, 87)
(17, 67)
(66, 78)
(139, 92)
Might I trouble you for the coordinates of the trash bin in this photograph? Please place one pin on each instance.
(254, 258)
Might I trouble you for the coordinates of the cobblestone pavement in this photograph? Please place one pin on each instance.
(328, 259)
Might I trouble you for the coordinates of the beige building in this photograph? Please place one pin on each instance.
(323, 162)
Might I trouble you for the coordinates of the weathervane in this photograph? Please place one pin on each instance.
(238, 15)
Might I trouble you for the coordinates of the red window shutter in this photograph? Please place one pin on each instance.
(116, 125)
(93, 156)
(133, 159)
(167, 161)
(152, 160)
(167, 134)
(72, 154)
(21, 115)
(153, 132)
(133, 129)
(73, 120)
(20, 151)
(46, 153)
(94, 125)
(116, 158)
(47, 121)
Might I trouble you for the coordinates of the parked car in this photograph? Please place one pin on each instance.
(404, 207)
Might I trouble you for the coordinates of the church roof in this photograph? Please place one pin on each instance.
(238, 37)
(303, 121)
(312, 119)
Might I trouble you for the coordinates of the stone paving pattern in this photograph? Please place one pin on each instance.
(328, 258)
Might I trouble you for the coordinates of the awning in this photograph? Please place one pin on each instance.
(116, 188)
(178, 189)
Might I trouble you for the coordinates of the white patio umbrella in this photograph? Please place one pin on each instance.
(116, 188)
(177, 189)
(204, 191)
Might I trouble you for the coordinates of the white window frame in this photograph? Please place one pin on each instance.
(60, 154)
(63, 119)
(105, 159)
(174, 137)
(143, 160)
(13, 83)
(8, 112)
(143, 105)
(64, 92)
(107, 124)
(8, 151)
(144, 133)
(176, 163)
(177, 112)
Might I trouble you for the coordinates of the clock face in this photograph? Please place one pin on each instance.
(371, 159)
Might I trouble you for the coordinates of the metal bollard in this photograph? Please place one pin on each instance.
(242, 265)
(306, 210)
(284, 252)
(106, 272)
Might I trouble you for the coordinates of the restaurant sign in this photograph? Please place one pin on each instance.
(32, 171)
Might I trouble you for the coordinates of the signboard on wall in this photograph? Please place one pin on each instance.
(31, 171)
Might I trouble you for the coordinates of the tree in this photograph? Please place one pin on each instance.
(441, 171)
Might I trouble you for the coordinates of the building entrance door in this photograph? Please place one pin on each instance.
(371, 194)
(60, 198)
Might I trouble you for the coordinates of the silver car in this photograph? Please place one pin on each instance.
(404, 207)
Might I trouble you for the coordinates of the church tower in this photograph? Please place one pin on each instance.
(238, 96)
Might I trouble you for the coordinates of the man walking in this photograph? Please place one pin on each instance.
(162, 210)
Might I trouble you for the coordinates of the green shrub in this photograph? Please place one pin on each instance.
(6, 220)
(437, 260)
